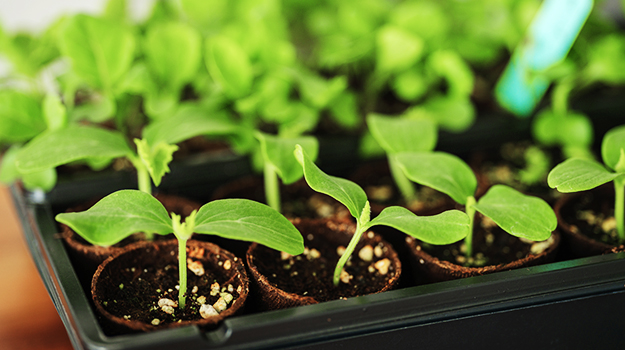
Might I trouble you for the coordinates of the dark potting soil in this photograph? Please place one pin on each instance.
(308, 276)
(134, 292)
(591, 214)
(491, 246)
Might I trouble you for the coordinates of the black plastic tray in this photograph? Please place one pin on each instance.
(571, 304)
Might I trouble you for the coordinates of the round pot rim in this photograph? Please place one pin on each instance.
(239, 273)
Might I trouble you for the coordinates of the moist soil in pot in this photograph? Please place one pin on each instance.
(493, 250)
(133, 289)
(587, 221)
(307, 278)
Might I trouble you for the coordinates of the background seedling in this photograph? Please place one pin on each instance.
(577, 174)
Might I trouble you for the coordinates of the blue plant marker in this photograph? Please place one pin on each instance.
(548, 40)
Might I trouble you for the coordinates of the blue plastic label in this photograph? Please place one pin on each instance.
(548, 40)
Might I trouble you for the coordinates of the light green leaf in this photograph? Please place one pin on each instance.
(397, 49)
(575, 174)
(443, 172)
(189, 121)
(101, 50)
(344, 110)
(20, 117)
(99, 109)
(455, 114)
(444, 228)
(302, 119)
(156, 158)
(249, 221)
(278, 152)
(173, 53)
(118, 216)
(229, 66)
(8, 170)
(44, 180)
(612, 146)
(410, 84)
(54, 112)
(401, 134)
(69, 144)
(518, 214)
(455, 70)
(348, 193)
(319, 92)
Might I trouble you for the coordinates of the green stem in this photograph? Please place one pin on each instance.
(560, 96)
(404, 184)
(468, 241)
(182, 269)
(619, 206)
(144, 182)
(348, 252)
(272, 188)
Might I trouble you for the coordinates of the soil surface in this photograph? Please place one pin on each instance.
(132, 285)
(491, 246)
(591, 214)
(311, 275)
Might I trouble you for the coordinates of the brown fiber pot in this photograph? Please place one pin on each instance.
(130, 270)
(429, 267)
(94, 255)
(283, 281)
(580, 238)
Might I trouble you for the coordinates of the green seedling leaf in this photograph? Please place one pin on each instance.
(173, 53)
(229, 66)
(99, 109)
(69, 144)
(44, 180)
(575, 174)
(401, 134)
(116, 10)
(344, 191)
(54, 112)
(8, 170)
(444, 228)
(455, 70)
(518, 214)
(612, 149)
(344, 110)
(570, 129)
(278, 152)
(455, 114)
(397, 49)
(101, 50)
(302, 118)
(156, 158)
(441, 171)
(410, 84)
(189, 121)
(20, 117)
(249, 221)
(319, 92)
(118, 216)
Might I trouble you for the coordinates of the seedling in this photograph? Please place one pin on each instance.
(445, 228)
(576, 174)
(278, 161)
(518, 214)
(125, 212)
(402, 134)
(98, 146)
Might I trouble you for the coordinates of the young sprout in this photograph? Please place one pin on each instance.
(518, 214)
(278, 161)
(445, 228)
(576, 174)
(396, 135)
(125, 212)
